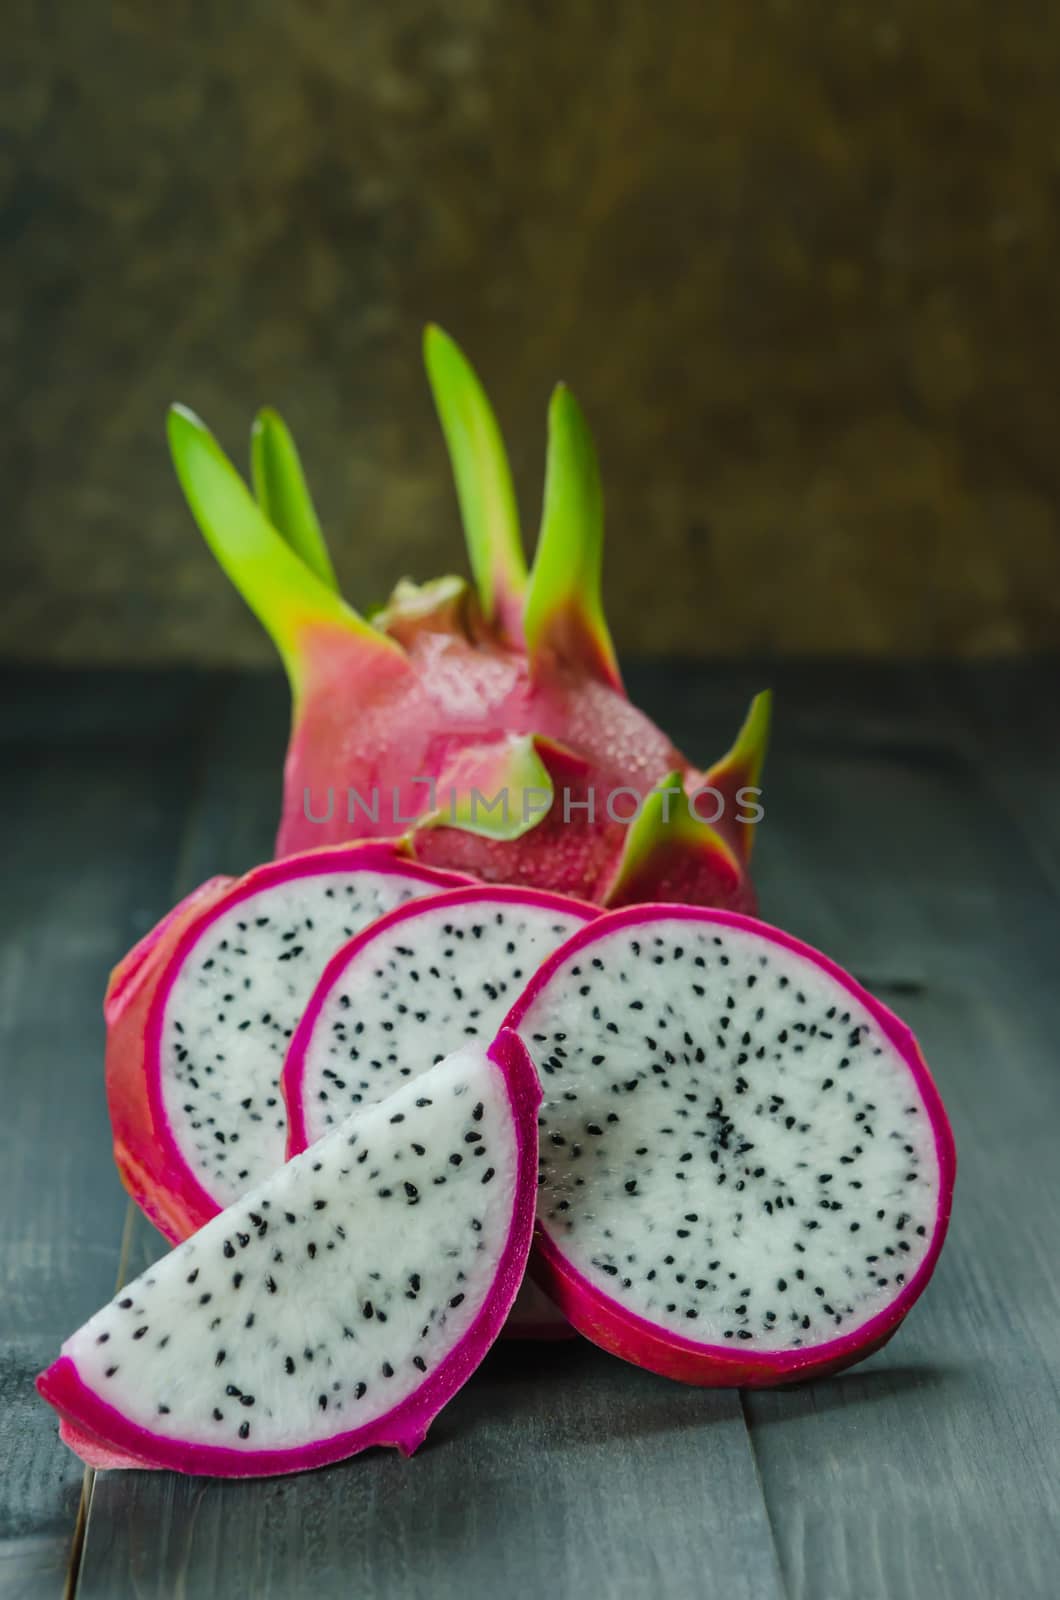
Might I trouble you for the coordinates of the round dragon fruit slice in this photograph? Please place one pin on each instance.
(201, 1011)
(431, 971)
(339, 1305)
(746, 1171)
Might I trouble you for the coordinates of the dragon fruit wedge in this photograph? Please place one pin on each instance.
(746, 1171)
(339, 1305)
(431, 971)
(199, 1015)
(489, 724)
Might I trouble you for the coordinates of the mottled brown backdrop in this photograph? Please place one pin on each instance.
(799, 260)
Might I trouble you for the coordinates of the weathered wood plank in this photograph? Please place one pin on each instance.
(98, 770)
(555, 1471)
(1012, 714)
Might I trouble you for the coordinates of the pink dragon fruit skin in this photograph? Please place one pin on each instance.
(612, 1325)
(510, 687)
(152, 1167)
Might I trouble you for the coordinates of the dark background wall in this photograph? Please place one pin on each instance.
(799, 260)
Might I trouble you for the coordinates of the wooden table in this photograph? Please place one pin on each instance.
(912, 830)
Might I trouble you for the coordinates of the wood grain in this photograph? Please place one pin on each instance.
(97, 775)
(554, 1472)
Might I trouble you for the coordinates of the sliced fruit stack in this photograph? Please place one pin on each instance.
(741, 1166)
(385, 1110)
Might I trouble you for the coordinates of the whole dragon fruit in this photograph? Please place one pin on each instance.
(490, 724)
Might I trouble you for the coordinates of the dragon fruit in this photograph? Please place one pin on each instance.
(490, 724)
(200, 1013)
(338, 1305)
(404, 986)
(440, 969)
(746, 1171)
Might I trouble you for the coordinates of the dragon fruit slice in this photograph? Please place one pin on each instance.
(746, 1171)
(200, 1012)
(339, 1305)
(404, 985)
(433, 970)
(509, 691)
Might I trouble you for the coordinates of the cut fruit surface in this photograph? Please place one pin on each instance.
(337, 1306)
(421, 978)
(414, 983)
(201, 1013)
(746, 1171)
